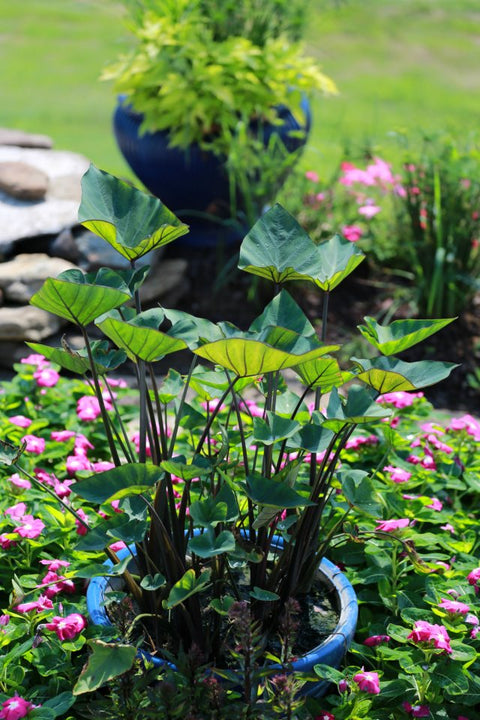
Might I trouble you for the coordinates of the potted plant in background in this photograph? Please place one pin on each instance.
(213, 109)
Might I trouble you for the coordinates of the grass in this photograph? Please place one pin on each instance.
(404, 66)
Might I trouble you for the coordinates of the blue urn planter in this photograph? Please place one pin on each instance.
(193, 183)
(330, 652)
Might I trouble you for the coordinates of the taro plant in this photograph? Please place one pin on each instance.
(230, 499)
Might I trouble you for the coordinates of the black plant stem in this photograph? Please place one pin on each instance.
(161, 425)
(125, 444)
(213, 415)
(98, 391)
(182, 401)
(318, 393)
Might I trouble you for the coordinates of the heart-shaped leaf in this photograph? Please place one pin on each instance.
(139, 341)
(400, 334)
(133, 222)
(77, 360)
(273, 429)
(103, 486)
(207, 545)
(187, 586)
(273, 493)
(284, 312)
(322, 373)
(387, 374)
(337, 258)
(107, 661)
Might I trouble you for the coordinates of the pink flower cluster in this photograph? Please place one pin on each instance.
(368, 681)
(416, 710)
(16, 708)
(399, 399)
(67, 628)
(27, 527)
(392, 525)
(436, 635)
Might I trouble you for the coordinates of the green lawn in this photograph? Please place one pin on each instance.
(408, 65)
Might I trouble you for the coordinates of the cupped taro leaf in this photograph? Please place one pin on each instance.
(107, 661)
(273, 428)
(77, 361)
(208, 545)
(314, 437)
(275, 493)
(278, 248)
(193, 330)
(337, 258)
(359, 407)
(323, 373)
(386, 374)
(188, 585)
(104, 486)
(133, 222)
(72, 297)
(284, 312)
(178, 466)
(400, 334)
(140, 341)
(210, 511)
(248, 354)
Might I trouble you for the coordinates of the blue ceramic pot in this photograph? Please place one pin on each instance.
(330, 652)
(192, 182)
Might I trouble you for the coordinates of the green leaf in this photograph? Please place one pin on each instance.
(338, 258)
(140, 342)
(210, 511)
(187, 471)
(153, 582)
(107, 661)
(76, 361)
(187, 586)
(273, 429)
(358, 408)
(360, 491)
(106, 485)
(387, 374)
(192, 330)
(326, 672)
(133, 222)
(9, 454)
(273, 493)
(60, 704)
(278, 248)
(400, 334)
(284, 312)
(208, 545)
(452, 679)
(263, 595)
(322, 373)
(70, 296)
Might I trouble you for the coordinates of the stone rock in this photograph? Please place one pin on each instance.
(59, 209)
(65, 246)
(165, 278)
(96, 253)
(26, 322)
(24, 139)
(23, 181)
(21, 277)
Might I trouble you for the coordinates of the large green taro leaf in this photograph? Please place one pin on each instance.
(191, 329)
(323, 373)
(387, 374)
(107, 661)
(77, 360)
(188, 585)
(358, 407)
(109, 484)
(337, 258)
(400, 334)
(284, 312)
(208, 545)
(70, 296)
(278, 248)
(140, 341)
(274, 493)
(133, 222)
(273, 429)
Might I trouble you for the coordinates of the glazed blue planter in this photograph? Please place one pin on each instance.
(330, 652)
(193, 183)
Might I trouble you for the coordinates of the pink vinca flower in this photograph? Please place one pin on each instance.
(19, 482)
(34, 444)
(20, 421)
(75, 463)
(43, 603)
(34, 359)
(399, 399)
(435, 504)
(15, 512)
(30, 527)
(397, 474)
(352, 233)
(67, 628)
(312, 176)
(46, 377)
(416, 710)
(369, 210)
(375, 640)
(62, 435)
(436, 635)
(473, 578)
(454, 606)
(16, 708)
(368, 682)
(392, 525)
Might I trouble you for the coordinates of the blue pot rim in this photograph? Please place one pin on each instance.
(336, 644)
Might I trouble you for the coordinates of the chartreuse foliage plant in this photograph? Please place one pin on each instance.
(222, 502)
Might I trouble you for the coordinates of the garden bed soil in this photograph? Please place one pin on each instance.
(219, 295)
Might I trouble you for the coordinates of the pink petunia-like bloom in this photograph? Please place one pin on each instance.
(35, 359)
(62, 435)
(52, 584)
(375, 640)
(391, 525)
(55, 565)
(398, 475)
(368, 682)
(16, 708)
(43, 603)
(63, 488)
(448, 527)
(473, 578)
(67, 628)
(102, 466)
(416, 710)
(20, 421)
(88, 407)
(118, 545)
(454, 606)
(468, 423)
(356, 442)
(19, 482)
(81, 529)
(75, 463)
(369, 211)
(312, 176)
(82, 444)
(45, 477)
(399, 399)
(352, 233)
(425, 632)
(116, 382)
(34, 444)
(30, 527)
(15, 512)
(46, 377)
(324, 715)
(436, 504)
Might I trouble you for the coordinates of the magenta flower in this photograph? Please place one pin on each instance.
(82, 444)
(312, 176)
(43, 603)
(45, 477)
(34, 444)
(447, 527)
(468, 423)
(19, 482)
(63, 488)
(67, 628)
(16, 708)
(324, 715)
(46, 377)
(20, 421)
(30, 528)
(473, 578)
(454, 606)
(4, 620)
(35, 359)
(118, 545)
(61, 435)
(368, 682)
(397, 474)
(391, 525)
(102, 466)
(15, 512)
(55, 565)
(6, 541)
(416, 710)
(352, 233)
(436, 504)
(369, 211)
(77, 462)
(342, 686)
(356, 442)
(88, 407)
(81, 529)
(425, 632)
(399, 399)
(375, 640)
